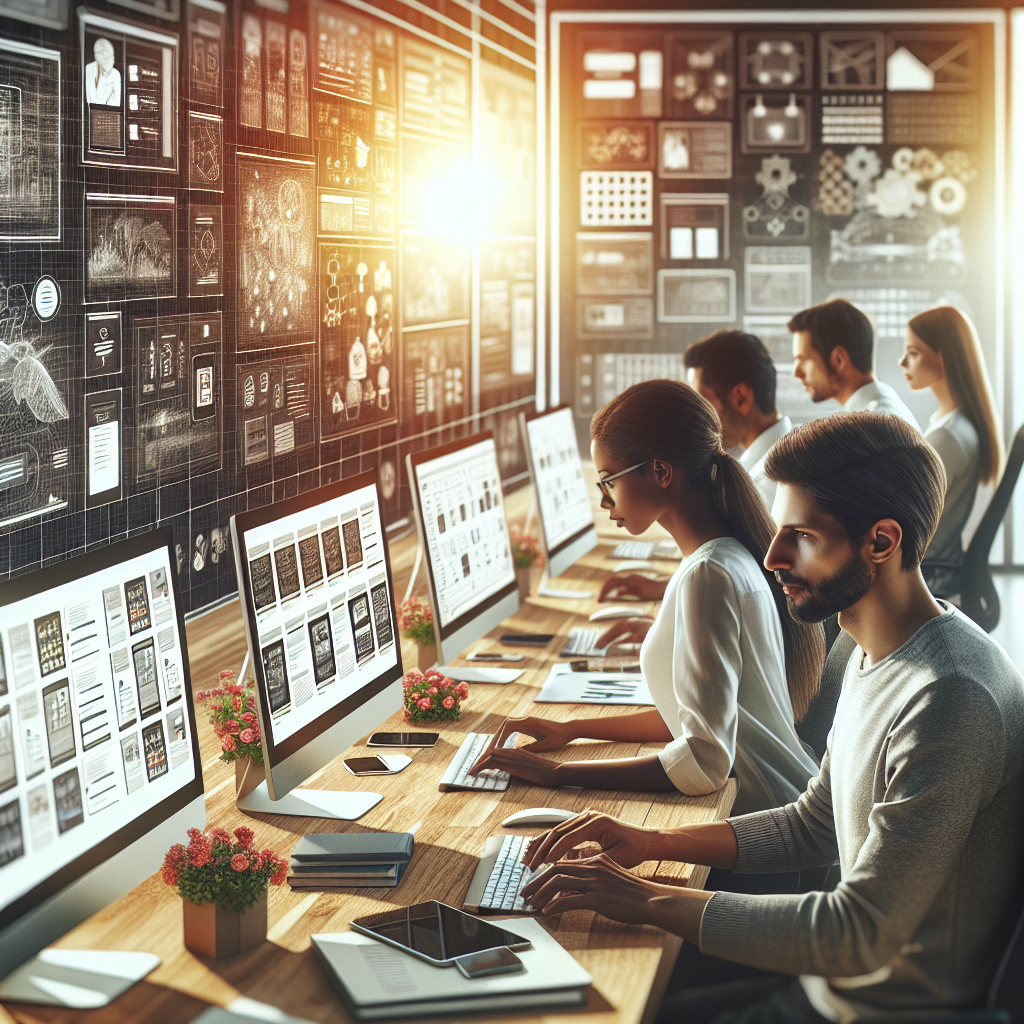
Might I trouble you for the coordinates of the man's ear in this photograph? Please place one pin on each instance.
(839, 360)
(741, 398)
(663, 473)
(884, 541)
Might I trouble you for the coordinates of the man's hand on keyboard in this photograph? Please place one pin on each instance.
(634, 584)
(623, 843)
(520, 763)
(625, 631)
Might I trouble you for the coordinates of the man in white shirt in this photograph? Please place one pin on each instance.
(735, 373)
(833, 349)
(102, 79)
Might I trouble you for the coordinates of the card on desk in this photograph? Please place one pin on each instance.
(563, 686)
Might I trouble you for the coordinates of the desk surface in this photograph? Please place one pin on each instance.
(630, 964)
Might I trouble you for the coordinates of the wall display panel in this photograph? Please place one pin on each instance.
(696, 296)
(344, 53)
(102, 343)
(435, 97)
(389, 467)
(776, 59)
(851, 119)
(129, 247)
(615, 318)
(622, 73)
(926, 60)
(617, 145)
(207, 35)
(35, 364)
(435, 278)
(49, 13)
(104, 430)
(178, 405)
(169, 10)
(344, 150)
(621, 262)
(435, 376)
(30, 172)
(775, 121)
(694, 149)
(695, 226)
(274, 407)
(275, 250)
(852, 59)
(129, 94)
(616, 199)
(775, 215)
(357, 349)
(507, 313)
(702, 74)
(205, 251)
(205, 151)
(777, 278)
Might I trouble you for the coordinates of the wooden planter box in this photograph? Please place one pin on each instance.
(212, 931)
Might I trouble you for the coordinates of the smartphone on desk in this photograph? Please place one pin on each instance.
(526, 639)
(403, 739)
(375, 765)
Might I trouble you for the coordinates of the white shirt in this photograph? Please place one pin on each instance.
(752, 460)
(715, 664)
(879, 397)
(107, 90)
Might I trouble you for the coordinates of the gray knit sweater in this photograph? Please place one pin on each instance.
(920, 799)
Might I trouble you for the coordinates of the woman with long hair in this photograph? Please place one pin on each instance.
(943, 353)
(726, 664)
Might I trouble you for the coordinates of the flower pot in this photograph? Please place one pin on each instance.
(426, 657)
(525, 577)
(212, 931)
(248, 775)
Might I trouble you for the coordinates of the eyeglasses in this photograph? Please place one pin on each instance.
(604, 485)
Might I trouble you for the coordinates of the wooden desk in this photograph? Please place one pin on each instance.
(630, 964)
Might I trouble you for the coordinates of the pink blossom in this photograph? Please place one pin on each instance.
(239, 862)
(221, 835)
(279, 876)
(198, 855)
(462, 691)
(170, 876)
(249, 717)
(236, 703)
(247, 736)
(449, 702)
(424, 702)
(232, 725)
(227, 673)
(432, 691)
(228, 743)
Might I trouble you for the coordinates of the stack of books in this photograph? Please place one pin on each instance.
(374, 860)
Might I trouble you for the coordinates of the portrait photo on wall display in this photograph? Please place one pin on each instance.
(276, 243)
(129, 247)
(357, 338)
(129, 93)
(30, 127)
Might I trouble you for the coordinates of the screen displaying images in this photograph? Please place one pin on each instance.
(93, 728)
(558, 476)
(464, 525)
(320, 600)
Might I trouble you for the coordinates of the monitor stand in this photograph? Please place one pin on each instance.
(310, 803)
(543, 590)
(79, 979)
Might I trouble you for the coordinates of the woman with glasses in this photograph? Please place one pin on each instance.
(726, 664)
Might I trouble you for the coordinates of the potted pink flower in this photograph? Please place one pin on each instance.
(432, 696)
(231, 709)
(222, 880)
(416, 622)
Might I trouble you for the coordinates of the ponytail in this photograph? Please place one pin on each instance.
(632, 427)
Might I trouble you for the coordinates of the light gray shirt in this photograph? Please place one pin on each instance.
(716, 667)
(752, 460)
(879, 397)
(954, 438)
(920, 799)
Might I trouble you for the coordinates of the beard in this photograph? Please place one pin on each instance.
(840, 591)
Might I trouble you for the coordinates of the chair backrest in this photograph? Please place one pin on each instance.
(814, 727)
(978, 596)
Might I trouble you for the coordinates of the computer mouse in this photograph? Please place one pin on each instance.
(539, 816)
(632, 565)
(616, 611)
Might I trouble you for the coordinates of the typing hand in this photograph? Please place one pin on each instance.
(625, 631)
(623, 843)
(633, 584)
(547, 735)
(523, 765)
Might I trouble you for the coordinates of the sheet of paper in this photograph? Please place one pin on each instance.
(563, 686)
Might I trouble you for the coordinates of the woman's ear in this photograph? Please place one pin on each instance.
(663, 473)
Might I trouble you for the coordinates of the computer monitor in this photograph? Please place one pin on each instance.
(100, 770)
(314, 578)
(566, 514)
(460, 515)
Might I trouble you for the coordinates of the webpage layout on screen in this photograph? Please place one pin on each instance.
(558, 473)
(322, 607)
(94, 721)
(464, 523)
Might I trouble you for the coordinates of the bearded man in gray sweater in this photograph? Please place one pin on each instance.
(920, 797)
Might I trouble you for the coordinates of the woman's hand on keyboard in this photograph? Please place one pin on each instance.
(547, 735)
(633, 584)
(520, 763)
(625, 844)
(625, 631)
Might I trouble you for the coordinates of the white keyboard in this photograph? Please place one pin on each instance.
(499, 878)
(582, 643)
(645, 549)
(473, 746)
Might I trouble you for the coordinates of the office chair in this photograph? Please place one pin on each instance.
(978, 597)
(814, 727)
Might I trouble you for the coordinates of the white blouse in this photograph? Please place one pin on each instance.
(715, 664)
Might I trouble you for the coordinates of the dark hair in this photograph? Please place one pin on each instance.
(838, 322)
(728, 358)
(666, 419)
(860, 467)
(950, 333)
